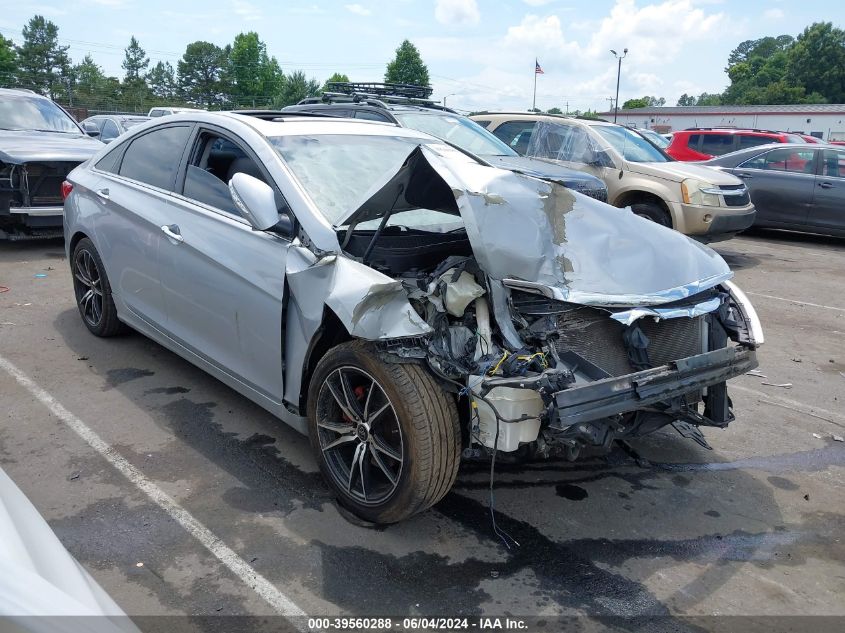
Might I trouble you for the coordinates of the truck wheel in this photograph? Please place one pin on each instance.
(93, 291)
(386, 436)
(652, 211)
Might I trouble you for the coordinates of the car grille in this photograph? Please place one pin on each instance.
(736, 201)
(597, 338)
(44, 182)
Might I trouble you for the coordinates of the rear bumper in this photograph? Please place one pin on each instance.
(623, 394)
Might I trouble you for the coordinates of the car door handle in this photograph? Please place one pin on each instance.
(826, 185)
(745, 176)
(103, 193)
(172, 231)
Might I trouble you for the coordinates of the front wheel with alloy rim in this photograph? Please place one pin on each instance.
(386, 436)
(93, 291)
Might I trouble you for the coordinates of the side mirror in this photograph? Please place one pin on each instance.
(91, 128)
(255, 200)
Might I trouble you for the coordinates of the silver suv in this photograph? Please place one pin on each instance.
(701, 202)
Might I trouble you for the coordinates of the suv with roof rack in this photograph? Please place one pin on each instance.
(410, 106)
(698, 201)
(704, 143)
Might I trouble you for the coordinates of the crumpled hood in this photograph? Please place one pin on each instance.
(18, 147)
(537, 168)
(679, 171)
(537, 234)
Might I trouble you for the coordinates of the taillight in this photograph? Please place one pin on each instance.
(67, 187)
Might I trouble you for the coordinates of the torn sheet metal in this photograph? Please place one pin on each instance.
(627, 317)
(520, 227)
(370, 304)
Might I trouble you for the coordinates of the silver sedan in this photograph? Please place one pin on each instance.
(398, 300)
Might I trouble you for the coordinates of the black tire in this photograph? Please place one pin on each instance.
(420, 425)
(652, 211)
(93, 292)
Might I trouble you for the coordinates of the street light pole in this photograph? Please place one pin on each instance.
(618, 76)
(447, 96)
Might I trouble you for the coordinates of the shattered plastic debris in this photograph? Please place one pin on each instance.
(782, 385)
(838, 438)
(4, 289)
(757, 373)
(40, 275)
(817, 436)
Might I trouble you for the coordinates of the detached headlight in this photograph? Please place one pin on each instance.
(700, 193)
(748, 313)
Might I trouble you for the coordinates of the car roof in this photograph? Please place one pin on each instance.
(541, 116)
(21, 92)
(292, 125)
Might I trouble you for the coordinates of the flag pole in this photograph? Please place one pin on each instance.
(534, 102)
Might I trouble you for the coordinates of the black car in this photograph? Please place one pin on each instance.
(794, 187)
(409, 106)
(40, 144)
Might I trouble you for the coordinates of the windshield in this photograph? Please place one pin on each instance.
(34, 113)
(631, 145)
(658, 139)
(337, 170)
(458, 130)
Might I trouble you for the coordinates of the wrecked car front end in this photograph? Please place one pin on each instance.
(561, 322)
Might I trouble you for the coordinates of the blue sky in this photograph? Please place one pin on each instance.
(480, 52)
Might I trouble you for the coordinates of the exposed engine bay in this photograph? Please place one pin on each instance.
(545, 367)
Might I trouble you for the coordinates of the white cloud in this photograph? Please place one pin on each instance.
(357, 9)
(456, 12)
(773, 14)
(246, 10)
(575, 56)
(537, 3)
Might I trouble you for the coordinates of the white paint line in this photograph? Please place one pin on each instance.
(794, 405)
(801, 303)
(226, 555)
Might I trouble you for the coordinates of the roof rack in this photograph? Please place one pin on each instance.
(379, 95)
(731, 128)
(275, 115)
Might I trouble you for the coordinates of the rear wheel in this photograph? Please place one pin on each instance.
(386, 436)
(93, 291)
(652, 211)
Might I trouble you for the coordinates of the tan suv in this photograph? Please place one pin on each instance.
(699, 201)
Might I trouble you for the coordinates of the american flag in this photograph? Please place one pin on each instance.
(537, 69)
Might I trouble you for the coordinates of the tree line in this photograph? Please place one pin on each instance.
(778, 70)
(238, 75)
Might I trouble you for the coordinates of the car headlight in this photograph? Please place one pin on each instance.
(700, 193)
(755, 328)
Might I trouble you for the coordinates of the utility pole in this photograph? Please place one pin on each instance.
(610, 99)
(618, 76)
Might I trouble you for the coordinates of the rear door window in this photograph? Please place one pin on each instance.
(833, 163)
(717, 144)
(109, 131)
(515, 134)
(154, 157)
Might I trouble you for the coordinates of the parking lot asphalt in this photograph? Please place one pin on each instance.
(753, 527)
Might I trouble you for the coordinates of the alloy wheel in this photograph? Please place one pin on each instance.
(359, 435)
(87, 283)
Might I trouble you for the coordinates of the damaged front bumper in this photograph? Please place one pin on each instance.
(614, 396)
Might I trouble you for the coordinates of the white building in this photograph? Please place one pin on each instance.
(826, 121)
